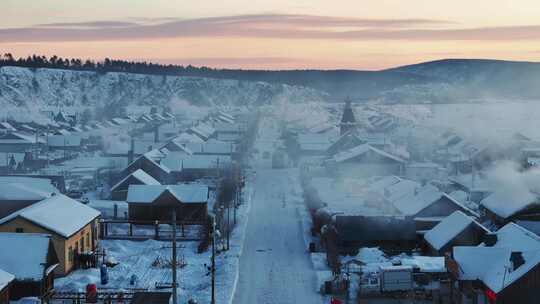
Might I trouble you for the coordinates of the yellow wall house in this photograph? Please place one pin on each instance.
(72, 225)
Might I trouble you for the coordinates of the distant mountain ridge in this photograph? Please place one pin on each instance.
(441, 81)
(21, 86)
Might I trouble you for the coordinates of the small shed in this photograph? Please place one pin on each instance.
(156, 202)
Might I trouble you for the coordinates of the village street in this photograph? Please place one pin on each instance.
(274, 266)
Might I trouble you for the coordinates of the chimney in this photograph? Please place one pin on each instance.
(516, 258)
(156, 133)
(131, 151)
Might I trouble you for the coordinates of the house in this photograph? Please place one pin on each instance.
(191, 167)
(72, 225)
(458, 229)
(6, 279)
(156, 202)
(159, 172)
(314, 144)
(365, 161)
(504, 269)
(32, 260)
(503, 206)
(176, 145)
(203, 131)
(16, 196)
(428, 206)
(43, 183)
(229, 131)
(211, 147)
(425, 171)
(139, 177)
(397, 210)
(18, 142)
(185, 137)
(345, 142)
(64, 142)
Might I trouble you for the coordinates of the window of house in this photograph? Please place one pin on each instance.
(88, 239)
(82, 244)
(70, 254)
(19, 230)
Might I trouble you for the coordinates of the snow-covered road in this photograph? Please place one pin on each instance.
(275, 265)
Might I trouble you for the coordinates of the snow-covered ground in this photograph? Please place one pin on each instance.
(275, 266)
(145, 261)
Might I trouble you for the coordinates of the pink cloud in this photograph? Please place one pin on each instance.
(269, 26)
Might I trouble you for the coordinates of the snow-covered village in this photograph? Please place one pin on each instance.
(269, 152)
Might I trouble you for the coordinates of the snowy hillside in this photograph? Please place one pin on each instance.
(53, 87)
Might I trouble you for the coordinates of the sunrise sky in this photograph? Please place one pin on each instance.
(274, 34)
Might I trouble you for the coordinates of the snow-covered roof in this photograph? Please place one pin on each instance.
(381, 183)
(58, 213)
(506, 204)
(518, 238)
(492, 265)
(419, 199)
(146, 158)
(186, 193)
(480, 183)
(141, 176)
(229, 137)
(187, 137)
(210, 147)
(426, 263)
(19, 138)
(64, 140)
(399, 190)
(224, 118)
(478, 263)
(39, 184)
(180, 161)
(225, 114)
(362, 149)
(203, 130)
(5, 279)
(155, 154)
(119, 121)
(24, 255)
(447, 229)
(6, 126)
(21, 192)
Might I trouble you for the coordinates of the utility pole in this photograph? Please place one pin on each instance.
(174, 283)
(235, 201)
(228, 224)
(213, 269)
